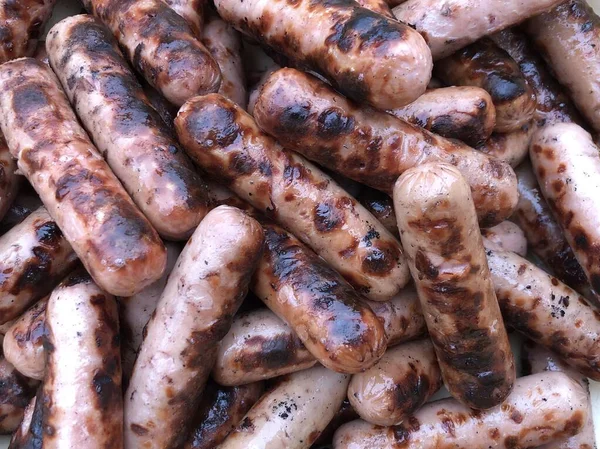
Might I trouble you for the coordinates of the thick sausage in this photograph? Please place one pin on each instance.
(453, 24)
(26, 202)
(372, 147)
(439, 232)
(192, 11)
(81, 393)
(381, 206)
(465, 113)
(124, 126)
(226, 142)
(293, 414)
(508, 236)
(512, 147)
(398, 385)
(193, 314)
(115, 242)
(377, 6)
(34, 257)
(368, 57)
(541, 408)
(161, 46)
(568, 37)
(9, 180)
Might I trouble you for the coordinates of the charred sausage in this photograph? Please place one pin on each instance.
(381, 206)
(9, 180)
(26, 202)
(192, 11)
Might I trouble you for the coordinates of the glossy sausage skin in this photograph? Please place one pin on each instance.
(439, 232)
(9, 180)
(368, 57)
(26, 202)
(508, 236)
(115, 242)
(374, 148)
(194, 313)
(161, 46)
(226, 142)
(541, 408)
(511, 147)
(381, 206)
(192, 11)
(129, 133)
(34, 257)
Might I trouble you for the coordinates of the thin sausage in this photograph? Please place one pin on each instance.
(192, 11)
(512, 147)
(508, 236)
(26, 202)
(9, 180)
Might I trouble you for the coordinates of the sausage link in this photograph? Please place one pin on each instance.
(541, 408)
(26, 202)
(439, 232)
(166, 110)
(399, 384)
(344, 415)
(368, 57)
(192, 11)
(512, 147)
(9, 180)
(224, 140)
(377, 6)
(381, 206)
(193, 314)
(371, 147)
(115, 242)
(508, 236)
(81, 397)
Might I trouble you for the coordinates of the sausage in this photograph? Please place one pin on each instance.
(165, 110)
(399, 384)
(293, 414)
(381, 206)
(225, 141)
(542, 407)
(377, 6)
(9, 180)
(41, 54)
(24, 204)
(34, 257)
(255, 91)
(465, 113)
(161, 46)
(115, 242)
(192, 11)
(339, 330)
(344, 415)
(21, 24)
(193, 314)
(81, 392)
(484, 64)
(221, 410)
(370, 147)
(439, 232)
(366, 56)
(451, 25)
(508, 236)
(568, 39)
(512, 147)
(23, 434)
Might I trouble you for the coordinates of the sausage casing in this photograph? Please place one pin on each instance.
(192, 11)
(508, 236)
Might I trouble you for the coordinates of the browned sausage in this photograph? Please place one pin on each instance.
(381, 206)
(26, 202)
(192, 11)
(9, 180)
(512, 147)
(374, 148)
(508, 236)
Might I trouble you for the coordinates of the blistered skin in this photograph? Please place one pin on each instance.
(161, 46)
(293, 414)
(124, 126)
(9, 180)
(81, 395)
(381, 206)
(568, 38)
(453, 24)
(21, 24)
(26, 202)
(398, 385)
(377, 6)
(194, 313)
(226, 142)
(508, 236)
(465, 113)
(541, 408)
(115, 242)
(371, 147)
(34, 257)
(511, 147)
(368, 57)
(192, 11)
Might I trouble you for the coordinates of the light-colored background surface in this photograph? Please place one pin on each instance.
(71, 7)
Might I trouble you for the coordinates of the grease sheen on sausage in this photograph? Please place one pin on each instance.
(511, 147)
(508, 236)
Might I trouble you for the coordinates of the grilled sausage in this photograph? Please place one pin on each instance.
(22, 437)
(381, 206)
(161, 46)
(512, 147)
(117, 245)
(439, 232)
(166, 110)
(368, 57)
(24, 204)
(81, 393)
(465, 113)
(507, 236)
(224, 140)
(293, 414)
(377, 6)
(192, 11)
(9, 180)
(34, 257)
(398, 385)
(193, 314)
(344, 415)
(541, 408)
(374, 148)
(453, 24)
(125, 128)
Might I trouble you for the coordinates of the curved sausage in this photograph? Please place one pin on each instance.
(81, 393)
(381, 206)
(465, 113)
(453, 24)
(399, 384)
(129, 133)
(192, 11)
(161, 46)
(224, 140)
(26, 202)
(508, 236)
(371, 147)
(193, 314)
(368, 57)
(541, 408)
(9, 180)
(115, 242)
(377, 6)
(34, 257)
(512, 147)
